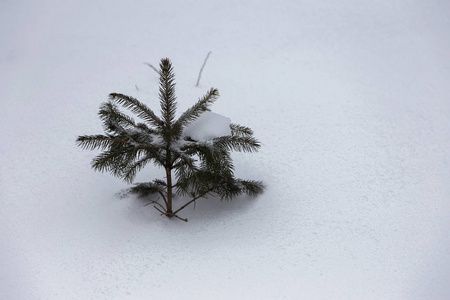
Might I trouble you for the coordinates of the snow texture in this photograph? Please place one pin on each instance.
(208, 126)
(349, 98)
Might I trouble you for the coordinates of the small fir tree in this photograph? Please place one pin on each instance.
(194, 168)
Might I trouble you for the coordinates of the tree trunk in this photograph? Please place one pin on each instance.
(169, 190)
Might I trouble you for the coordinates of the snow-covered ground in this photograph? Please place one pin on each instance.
(349, 98)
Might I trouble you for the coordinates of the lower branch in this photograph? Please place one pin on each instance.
(162, 195)
(193, 200)
(164, 212)
(169, 215)
(155, 202)
(185, 220)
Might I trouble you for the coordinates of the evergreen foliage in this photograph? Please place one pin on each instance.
(193, 168)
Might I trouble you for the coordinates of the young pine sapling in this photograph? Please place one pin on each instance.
(194, 167)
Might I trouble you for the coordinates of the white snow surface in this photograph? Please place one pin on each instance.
(207, 126)
(350, 100)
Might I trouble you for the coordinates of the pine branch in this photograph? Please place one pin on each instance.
(197, 109)
(227, 188)
(130, 173)
(187, 175)
(160, 182)
(143, 127)
(239, 130)
(167, 92)
(238, 143)
(109, 113)
(140, 109)
(144, 189)
(118, 161)
(112, 161)
(251, 187)
(91, 142)
(215, 165)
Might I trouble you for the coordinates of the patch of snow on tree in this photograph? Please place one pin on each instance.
(208, 126)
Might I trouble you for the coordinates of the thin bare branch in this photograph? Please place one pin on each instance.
(154, 202)
(201, 69)
(151, 66)
(162, 195)
(193, 200)
(185, 220)
(162, 213)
